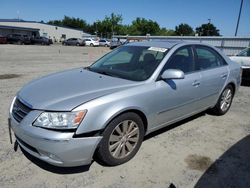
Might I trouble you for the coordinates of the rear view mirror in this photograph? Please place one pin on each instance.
(172, 74)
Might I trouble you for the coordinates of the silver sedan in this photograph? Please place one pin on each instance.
(243, 58)
(106, 109)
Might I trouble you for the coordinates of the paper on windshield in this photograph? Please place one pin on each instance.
(157, 49)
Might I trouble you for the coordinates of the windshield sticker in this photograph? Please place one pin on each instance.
(158, 49)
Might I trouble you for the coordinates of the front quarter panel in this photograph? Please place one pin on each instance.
(102, 110)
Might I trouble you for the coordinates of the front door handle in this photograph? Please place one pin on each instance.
(223, 76)
(196, 83)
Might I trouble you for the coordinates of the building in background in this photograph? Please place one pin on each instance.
(32, 28)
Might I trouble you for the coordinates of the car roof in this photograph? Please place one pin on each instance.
(161, 44)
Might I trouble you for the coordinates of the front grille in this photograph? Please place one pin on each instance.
(20, 110)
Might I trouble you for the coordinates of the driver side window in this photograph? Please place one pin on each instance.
(182, 59)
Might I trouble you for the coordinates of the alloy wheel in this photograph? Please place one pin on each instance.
(226, 99)
(123, 139)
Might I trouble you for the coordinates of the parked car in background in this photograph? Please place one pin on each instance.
(117, 42)
(3, 39)
(104, 42)
(91, 42)
(243, 58)
(107, 108)
(74, 42)
(41, 40)
(18, 39)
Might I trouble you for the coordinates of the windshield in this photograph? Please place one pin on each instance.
(135, 63)
(245, 52)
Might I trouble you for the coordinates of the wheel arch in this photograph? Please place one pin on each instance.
(233, 86)
(133, 110)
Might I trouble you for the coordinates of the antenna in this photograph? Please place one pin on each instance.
(18, 12)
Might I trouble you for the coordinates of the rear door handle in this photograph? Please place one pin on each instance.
(196, 83)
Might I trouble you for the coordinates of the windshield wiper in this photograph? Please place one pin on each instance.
(100, 71)
(104, 72)
(87, 68)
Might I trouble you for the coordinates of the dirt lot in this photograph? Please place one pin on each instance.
(203, 151)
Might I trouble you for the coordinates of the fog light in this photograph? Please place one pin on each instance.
(49, 155)
(54, 157)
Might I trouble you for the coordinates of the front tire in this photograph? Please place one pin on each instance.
(121, 139)
(224, 102)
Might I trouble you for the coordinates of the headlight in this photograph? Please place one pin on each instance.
(60, 120)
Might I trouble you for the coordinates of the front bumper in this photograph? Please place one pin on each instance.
(56, 148)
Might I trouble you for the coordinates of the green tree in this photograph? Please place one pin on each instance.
(55, 22)
(166, 32)
(113, 25)
(184, 30)
(141, 26)
(207, 30)
(72, 22)
(108, 26)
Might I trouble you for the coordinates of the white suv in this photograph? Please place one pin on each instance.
(91, 42)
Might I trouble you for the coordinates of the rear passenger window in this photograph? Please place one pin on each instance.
(207, 58)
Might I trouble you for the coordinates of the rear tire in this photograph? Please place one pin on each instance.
(224, 102)
(121, 139)
(91, 45)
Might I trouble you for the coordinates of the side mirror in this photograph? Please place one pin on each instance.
(172, 74)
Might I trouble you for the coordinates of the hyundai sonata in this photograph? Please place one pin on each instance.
(106, 109)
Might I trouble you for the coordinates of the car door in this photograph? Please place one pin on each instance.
(177, 98)
(70, 41)
(87, 41)
(74, 41)
(214, 72)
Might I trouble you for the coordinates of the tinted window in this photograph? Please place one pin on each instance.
(207, 58)
(182, 59)
(157, 55)
(245, 53)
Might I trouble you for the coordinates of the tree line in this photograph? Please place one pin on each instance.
(112, 25)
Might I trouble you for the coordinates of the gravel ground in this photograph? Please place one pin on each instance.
(202, 151)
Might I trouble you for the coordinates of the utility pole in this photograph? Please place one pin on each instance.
(238, 21)
(18, 17)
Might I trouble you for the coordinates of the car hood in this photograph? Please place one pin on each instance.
(243, 61)
(66, 90)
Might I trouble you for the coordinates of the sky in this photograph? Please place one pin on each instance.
(167, 13)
